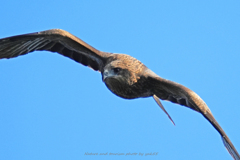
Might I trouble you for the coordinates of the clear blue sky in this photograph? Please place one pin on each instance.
(54, 108)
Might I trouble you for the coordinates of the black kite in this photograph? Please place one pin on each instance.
(124, 75)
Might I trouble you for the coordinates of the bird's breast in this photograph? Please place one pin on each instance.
(127, 91)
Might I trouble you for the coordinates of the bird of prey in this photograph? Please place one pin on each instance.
(123, 75)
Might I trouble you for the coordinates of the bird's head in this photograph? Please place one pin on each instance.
(122, 68)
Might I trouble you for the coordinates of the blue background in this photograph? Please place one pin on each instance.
(54, 108)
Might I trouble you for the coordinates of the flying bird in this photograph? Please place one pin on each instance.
(123, 75)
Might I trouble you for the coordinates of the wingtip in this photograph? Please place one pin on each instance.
(232, 151)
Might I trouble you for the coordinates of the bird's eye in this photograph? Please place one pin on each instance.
(116, 70)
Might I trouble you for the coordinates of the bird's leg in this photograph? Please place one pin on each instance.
(161, 106)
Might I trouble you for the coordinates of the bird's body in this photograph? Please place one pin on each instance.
(124, 75)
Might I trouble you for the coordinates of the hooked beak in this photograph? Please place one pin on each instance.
(104, 75)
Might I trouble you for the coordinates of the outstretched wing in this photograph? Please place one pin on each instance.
(177, 93)
(54, 40)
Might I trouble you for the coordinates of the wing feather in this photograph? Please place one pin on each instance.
(177, 93)
(54, 40)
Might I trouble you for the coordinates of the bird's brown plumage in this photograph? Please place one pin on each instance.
(55, 40)
(124, 75)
